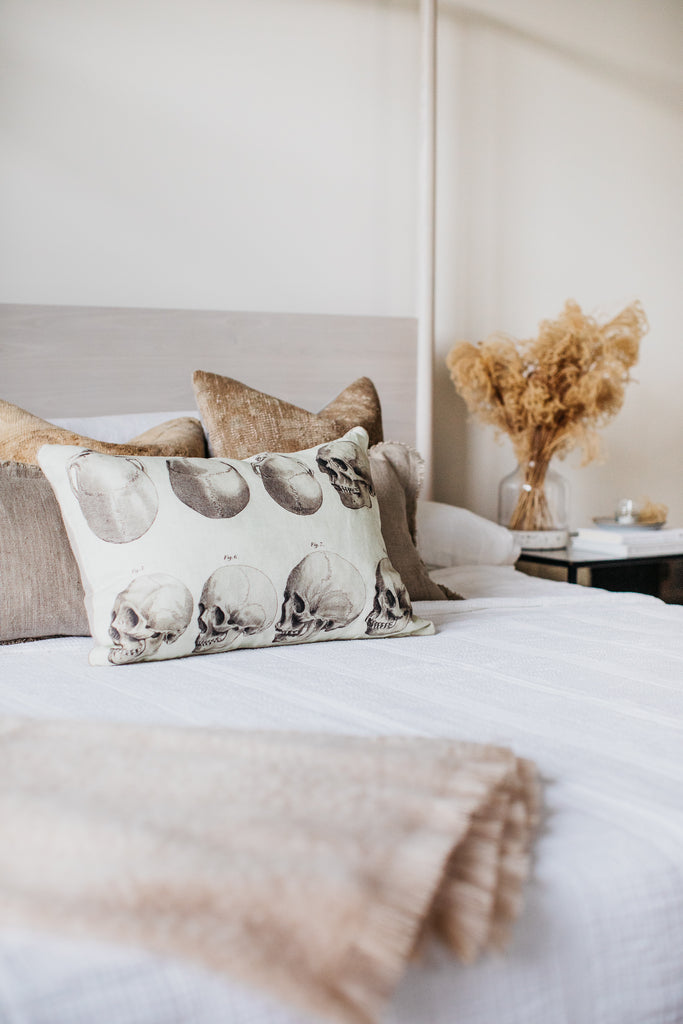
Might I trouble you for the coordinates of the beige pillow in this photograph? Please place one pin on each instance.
(40, 587)
(241, 421)
(397, 472)
(22, 434)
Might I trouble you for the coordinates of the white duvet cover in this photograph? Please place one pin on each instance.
(587, 684)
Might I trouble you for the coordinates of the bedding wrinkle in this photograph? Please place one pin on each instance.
(664, 833)
(574, 632)
(484, 666)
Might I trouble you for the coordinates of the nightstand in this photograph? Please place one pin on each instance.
(644, 575)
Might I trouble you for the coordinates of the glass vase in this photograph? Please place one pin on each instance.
(533, 502)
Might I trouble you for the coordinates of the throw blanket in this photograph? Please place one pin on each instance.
(310, 866)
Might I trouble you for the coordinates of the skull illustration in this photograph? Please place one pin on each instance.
(289, 482)
(211, 487)
(118, 499)
(323, 592)
(391, 609)
(237, 601)
(151, 610)
(349, 471)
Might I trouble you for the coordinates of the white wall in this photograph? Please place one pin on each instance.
(260, 154)
(207, 153)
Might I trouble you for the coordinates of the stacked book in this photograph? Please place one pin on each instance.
(629, 543)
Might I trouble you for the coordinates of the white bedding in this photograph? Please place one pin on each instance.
(586, 683)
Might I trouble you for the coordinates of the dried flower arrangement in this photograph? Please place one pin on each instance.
(550, 393)
(652, 512)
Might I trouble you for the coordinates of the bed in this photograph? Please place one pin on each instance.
(584, 684)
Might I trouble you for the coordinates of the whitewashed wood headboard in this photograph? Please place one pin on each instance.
(59, 361)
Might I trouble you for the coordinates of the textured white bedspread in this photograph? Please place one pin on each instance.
(587, 684)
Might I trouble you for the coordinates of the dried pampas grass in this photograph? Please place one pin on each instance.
(551, 393)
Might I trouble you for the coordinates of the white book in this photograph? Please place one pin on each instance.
(633, 550)
(626, 537)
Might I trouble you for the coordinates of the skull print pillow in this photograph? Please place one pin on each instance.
(185, 556)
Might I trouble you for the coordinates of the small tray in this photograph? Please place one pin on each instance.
(609, 523)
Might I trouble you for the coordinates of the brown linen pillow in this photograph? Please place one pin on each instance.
(40, 586)
(241, 421)
(22, 434)
(397, 471)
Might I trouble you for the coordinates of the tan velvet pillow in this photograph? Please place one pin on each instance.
(22, 434)
(40, 586)
(397, 472)
(241, 421)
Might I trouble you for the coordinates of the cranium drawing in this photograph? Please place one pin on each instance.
(237, 601)
(211, 487)
(289, 482)
(151, 611)
(117, 497)
(349, 471)
(391, 609)
(323, 592)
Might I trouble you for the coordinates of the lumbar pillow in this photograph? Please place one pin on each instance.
(40, 588)
(41, 592)
(22, 434)
(241, 421)
(175, 562)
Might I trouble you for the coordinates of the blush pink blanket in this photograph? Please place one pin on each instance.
(310, 866)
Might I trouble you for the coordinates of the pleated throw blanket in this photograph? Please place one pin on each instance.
(309, 866)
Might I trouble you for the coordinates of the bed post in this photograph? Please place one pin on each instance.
(426, 237)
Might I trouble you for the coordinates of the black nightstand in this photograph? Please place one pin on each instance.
(644, 575)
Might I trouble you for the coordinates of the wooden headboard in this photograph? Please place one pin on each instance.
(65, 361)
